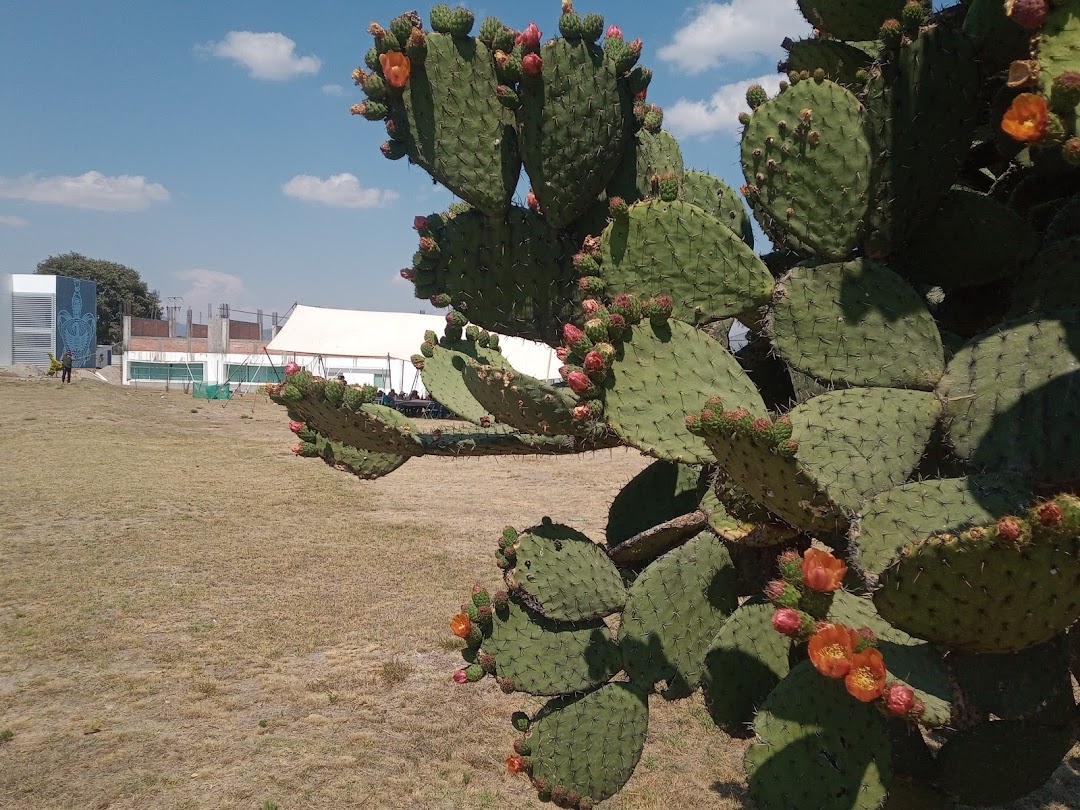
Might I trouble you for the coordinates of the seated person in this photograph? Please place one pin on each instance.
(414, 394)
(387, 399)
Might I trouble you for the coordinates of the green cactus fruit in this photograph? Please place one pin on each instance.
(809, 725)
(812, 177)
(520, 721)
(756, 96)
(570, 26)
(856, 323)
(394, 150)
(610, 723)
(580, 86)
(592, 26)
(912, 16)
(440, 18)
(1049, 282)
(402, 25)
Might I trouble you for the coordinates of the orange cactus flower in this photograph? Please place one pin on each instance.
(832, 649)
(395, 67)
(1028, 118)
(822, 571)
(865, 680)
(460, 625)
(515, 764)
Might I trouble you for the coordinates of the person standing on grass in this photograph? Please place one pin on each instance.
(66, 363)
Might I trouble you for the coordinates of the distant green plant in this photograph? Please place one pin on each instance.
(902, 390)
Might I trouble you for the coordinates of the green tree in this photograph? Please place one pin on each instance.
(116, 284)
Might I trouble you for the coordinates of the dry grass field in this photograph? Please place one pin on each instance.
(192, 617)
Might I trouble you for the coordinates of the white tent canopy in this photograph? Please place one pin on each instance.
(388, 339)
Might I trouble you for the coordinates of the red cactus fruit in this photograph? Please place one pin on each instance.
(532, 203)
(291, 368)
(572, 334)
(1009, 529)
(1028, 14)
(562, 353)
(515, 764)
(296, 427)
(594, 361)
(899, 699)
(1049, 513)
(613, 32)
(420, 223)
(532, 64)
(460, 676)
(578, 381)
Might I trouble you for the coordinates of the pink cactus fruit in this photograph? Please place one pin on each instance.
(899, 699)
(297, 448)
(582, 412)
(420, 224)
(1050, 514)
(529, 38)
(572, 334)
(613, 32)
(594, 361)
(295, 426)
(460, 676)
(590, 305)
(1009, 528)
(291, 368)
(787, 622)
(562, 353)
(578, 381)
(532, 64)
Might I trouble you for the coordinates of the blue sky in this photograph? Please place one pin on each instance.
(209, 144)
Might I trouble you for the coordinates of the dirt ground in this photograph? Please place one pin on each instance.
(192, 617)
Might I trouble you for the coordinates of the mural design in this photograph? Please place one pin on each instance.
(75, 329)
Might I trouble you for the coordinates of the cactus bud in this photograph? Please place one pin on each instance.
(579, 382)
(617, 207)
(899, 699)
(529, 38)
(756, 96)
(581, 412)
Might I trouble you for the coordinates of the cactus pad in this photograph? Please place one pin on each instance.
(818, 747)
(590, 744)
(442, 376)
(972, 239)
(832, 470)
(1051, 281)
(511, 275)
(1014, 686)
(714, 196)
(544, 657)
(1001, 761)
(911, 661)
(989, 589)
(1012, 392)
(660, 374)
(842, 63)
(457, 130)
(647, 155)
(521, 401)
(845, 20)
(807, 163)
(912, 512)
(573, 128)
(746, 660)
(561, 574)
(660, 539)
(676, 248)
(660, 492)
(361, 463)
(923, 128)
(856, 323)
(675, 609)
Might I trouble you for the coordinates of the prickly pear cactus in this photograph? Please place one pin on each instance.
(863, 524)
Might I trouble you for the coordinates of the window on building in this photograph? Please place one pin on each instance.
(243, 373)
(166, 372)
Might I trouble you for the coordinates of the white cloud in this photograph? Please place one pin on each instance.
(735, 31)
(720, 113)
(267, 55)
(91, 190)
(14, 222)
(333, 90)
(339, 190)
(209, 285)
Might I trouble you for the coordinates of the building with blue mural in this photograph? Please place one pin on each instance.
(41, 314)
